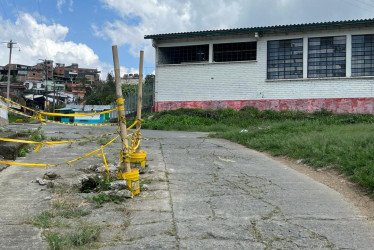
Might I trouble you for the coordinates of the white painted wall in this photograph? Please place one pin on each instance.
(3, 114)
(247, 80)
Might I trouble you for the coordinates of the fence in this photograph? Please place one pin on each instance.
(131, 98)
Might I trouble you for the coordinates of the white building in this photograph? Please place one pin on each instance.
(305, 67)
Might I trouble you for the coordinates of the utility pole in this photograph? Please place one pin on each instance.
(54, 91)
(10, 46)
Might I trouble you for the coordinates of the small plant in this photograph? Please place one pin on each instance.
(43, 220)
(170, 232)
(84, 235)
(23, 151)
(74, 212)
(4, 129)
(55, 242)
(37, 135)
(103, 198)
(103, 140)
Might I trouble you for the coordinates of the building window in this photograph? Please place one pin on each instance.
(326, 56)
(183, 54)
(228, 52)
(363, 55)
(285, 59)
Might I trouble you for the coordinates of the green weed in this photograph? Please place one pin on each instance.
(23, 151)
(37, 135)
(103, 198)
(43, 220)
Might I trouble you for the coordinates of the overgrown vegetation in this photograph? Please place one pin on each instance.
(320, 139)
(13, 118)
(63, 227)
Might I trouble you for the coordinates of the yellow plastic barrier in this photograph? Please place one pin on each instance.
(138, 159)
(132, 181)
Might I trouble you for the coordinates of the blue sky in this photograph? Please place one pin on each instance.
(83, 31)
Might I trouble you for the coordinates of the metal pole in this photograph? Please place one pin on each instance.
(125, 162)
(10, 45)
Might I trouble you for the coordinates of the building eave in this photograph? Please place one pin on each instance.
(260, 29)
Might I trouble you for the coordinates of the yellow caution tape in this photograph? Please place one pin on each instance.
(60, 114)
(82, 124)
(50, 143)
(15, 111)
(104, 159)
(55, 165)
(79, 114)
(29, 164)
(10, 101)
(93, 152)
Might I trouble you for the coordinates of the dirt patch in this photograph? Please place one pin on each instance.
(340, 183)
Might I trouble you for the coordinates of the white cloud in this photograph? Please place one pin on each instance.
(59, 5)
(40, 41)
(71, 9)
(138, 18)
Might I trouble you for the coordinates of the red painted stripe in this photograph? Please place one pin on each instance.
(337, 105)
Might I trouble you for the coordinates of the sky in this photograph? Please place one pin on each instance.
(83, 31)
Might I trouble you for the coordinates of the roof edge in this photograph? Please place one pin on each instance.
(258, 29)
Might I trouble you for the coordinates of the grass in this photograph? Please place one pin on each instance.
(103, 198)
(13, 118)
(59, 233)
(320, 139)
(81, 236)
(43, 220)
(103, 140)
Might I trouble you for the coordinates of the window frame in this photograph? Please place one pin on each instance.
(326, 55)
(285, 59)
(364, 56)
(187, 54)
(235, 51)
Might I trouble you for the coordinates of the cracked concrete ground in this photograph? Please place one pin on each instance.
(203, 193)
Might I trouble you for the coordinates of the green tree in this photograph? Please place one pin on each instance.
(13, 79)
(4, 78)
(101, 93)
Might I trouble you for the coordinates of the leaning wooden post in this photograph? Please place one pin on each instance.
(140, 96)
(125, 161)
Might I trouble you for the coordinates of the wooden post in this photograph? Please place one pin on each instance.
(140, 93)
(125, 164)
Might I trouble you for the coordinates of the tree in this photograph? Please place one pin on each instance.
(4, 78)
(101, 93)
(13, 79)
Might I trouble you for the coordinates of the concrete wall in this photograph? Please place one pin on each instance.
(237, 84)
(3, 115)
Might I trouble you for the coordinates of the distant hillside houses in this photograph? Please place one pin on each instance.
(70, 81)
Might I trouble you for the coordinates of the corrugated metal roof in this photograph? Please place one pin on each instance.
(259, 29)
